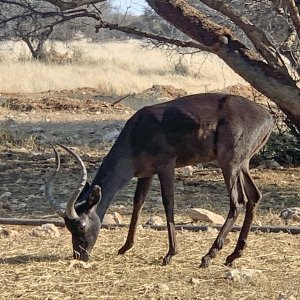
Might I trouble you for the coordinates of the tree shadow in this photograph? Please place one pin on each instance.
(27, 259)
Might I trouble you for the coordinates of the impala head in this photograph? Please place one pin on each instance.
(80, 214)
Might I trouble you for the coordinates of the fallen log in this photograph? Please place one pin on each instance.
(59, 223)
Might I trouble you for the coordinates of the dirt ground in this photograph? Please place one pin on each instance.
(35, 268)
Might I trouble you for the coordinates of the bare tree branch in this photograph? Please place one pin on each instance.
(265, 77)
(257, 36)
(294, 13)
(63, 5)
(152, 36)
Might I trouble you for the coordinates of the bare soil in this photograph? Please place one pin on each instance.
(35, 268)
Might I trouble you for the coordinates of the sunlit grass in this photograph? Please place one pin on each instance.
(114, 67)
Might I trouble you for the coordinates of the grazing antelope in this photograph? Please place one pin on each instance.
(156, 140)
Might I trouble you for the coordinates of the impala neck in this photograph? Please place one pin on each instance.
(115, 171)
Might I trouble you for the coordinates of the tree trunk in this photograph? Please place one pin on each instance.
(269, 79)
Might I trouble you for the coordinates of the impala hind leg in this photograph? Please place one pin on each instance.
(253, 196)
(237, 201)
(166, 178)
(142, 189)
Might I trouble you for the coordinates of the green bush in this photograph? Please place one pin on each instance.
(282, 147)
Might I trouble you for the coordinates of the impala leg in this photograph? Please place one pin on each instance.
(166, 178)
(253, 196)
(232, 180)
(219, 242)
(142, 189)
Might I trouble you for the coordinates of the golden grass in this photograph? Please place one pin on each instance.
(41, 268)
(115, 67)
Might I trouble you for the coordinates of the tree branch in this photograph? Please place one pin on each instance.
(257, 36)
(264, 77)
(152, 36)
(294, 14)
(63, 5)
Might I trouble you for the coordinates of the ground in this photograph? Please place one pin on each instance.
(42, 268)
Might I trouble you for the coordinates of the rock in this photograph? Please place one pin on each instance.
(244, 275)
(20, 180)
(194, 281)
(111, 136)
(291, 213)
(282, 296)
(112, 219)
(212, 230)
(46, 230)
(79, 264)
(200, 214)
(109, 220)
(257, 222)
(270, 164)
(155, 220)
(118, 218)
(162, 287)
(5, 195)
(36, 153)
(188, 171)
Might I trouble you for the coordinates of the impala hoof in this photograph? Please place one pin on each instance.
(124, 249)
(205, 261)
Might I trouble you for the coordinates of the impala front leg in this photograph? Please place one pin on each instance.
(166, 178)
(141, 192)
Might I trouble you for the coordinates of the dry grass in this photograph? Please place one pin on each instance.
(115, 67)
(39, 268)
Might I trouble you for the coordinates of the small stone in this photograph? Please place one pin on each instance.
(20, 180)
(162, 287)
(258, 223)
(204, 215)
(244, 275)
(36, 153)
(212, 230)
(269, 164)
(5, 195)
(109, 220)
(118, 218)
(155, 220)
(79, 264)
(281, 297)
(291, 213)
(46, 230)
(194, 281)
(188, 171)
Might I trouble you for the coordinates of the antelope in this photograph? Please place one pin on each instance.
(156, 140)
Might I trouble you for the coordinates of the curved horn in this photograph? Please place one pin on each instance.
(70, 209)
(48, 186)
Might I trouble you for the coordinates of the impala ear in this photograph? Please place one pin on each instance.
(94, 196)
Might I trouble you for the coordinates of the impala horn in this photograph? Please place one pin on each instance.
(70, 211)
